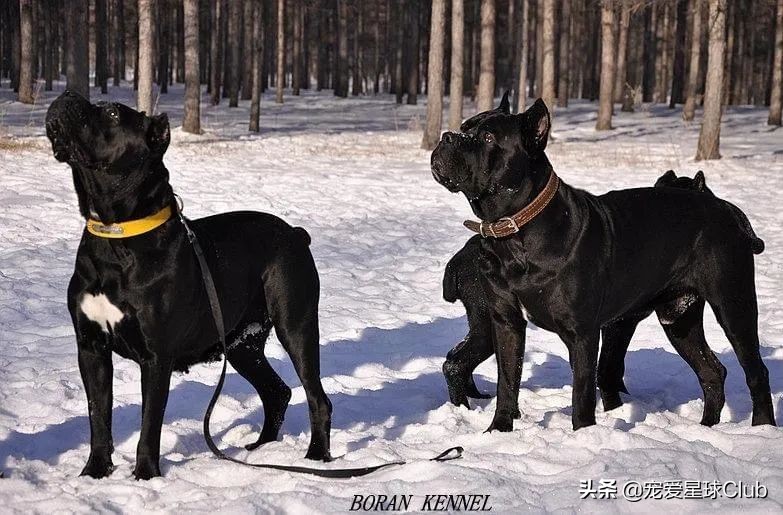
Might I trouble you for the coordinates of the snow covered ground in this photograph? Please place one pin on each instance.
(352, 173)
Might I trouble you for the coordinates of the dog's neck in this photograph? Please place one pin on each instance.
(501, 202)
(146, 192)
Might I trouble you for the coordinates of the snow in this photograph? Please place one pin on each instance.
(352, 173)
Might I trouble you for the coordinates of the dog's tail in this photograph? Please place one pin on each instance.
(756, 243)
(451, 282)
(303, 235)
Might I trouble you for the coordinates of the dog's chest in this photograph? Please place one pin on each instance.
(98, 308)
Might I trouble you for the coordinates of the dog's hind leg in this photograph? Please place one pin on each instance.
(737, 313)
(246, 355)
(615, 338)
(291, 288)
(686, 334)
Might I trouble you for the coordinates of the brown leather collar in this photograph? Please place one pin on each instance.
(509, 225)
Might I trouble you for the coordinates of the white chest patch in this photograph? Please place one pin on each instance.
(100, 310)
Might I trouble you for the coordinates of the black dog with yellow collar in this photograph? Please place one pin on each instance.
(137, 289)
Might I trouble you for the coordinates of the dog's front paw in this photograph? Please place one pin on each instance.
(504, 424)
(146, 468)
(98, 466)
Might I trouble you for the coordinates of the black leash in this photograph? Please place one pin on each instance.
(452, 453)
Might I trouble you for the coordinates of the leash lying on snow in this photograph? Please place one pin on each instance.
(452, 453)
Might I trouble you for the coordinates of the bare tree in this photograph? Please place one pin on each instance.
(486, 85)
(524, 37)
(413, 52)
(77, 50)
(296, 57)
(605, 98)
(341, 80)
(118, 24)
(622, 51)
(777, 70)
(233, 51)
(435, 76)
(26, 63)
(192, 116)
(689, 110)
(280, 51)
(145, 61)
(215, 47)
(101, 46)
(247, 53)
(709, 137)
(457, 60)
(565, 42)
(255, 100)
(548, 55)
(678, 70)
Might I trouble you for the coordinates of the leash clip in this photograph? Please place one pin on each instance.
(180, 207)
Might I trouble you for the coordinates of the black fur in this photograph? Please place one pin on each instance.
(262, 267)
(462, 282)
(588, 262)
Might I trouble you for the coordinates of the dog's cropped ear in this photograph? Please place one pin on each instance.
(699, 182)
(158, 133)
(535, 127)
(505, 106)
(666, 179)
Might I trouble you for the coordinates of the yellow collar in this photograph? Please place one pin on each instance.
(131, 227)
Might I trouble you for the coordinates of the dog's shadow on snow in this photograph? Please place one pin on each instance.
(386, 378)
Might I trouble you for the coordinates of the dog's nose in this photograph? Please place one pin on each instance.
(449, 137)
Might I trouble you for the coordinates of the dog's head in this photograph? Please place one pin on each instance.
(115, 152)
(497, 160)
(697, 183)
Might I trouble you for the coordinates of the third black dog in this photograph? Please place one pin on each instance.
(576, 262)
(462, 281)
(141, 294)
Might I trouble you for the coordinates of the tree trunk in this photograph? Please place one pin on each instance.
(280, 84)
(255, 100)
(356, 86)
(49, 12)
(399, 54)
(296, 58)
(435, 76)
(101, 47)
(247, 53)
(524, 38)
(78, 73)
(689, 110)
(678, 74)
(565, 52)
(709, 137)
(26, 63)
(118, 24)
(606, 92)
(548, 55)
(486, 86)
(233, 50)
(413, 52)
(165, 8)
(776, 86)
(191, 121)
(180, 33)
(648, 54)
(341, 81)
(214, 51)
(622, 52)
(457, 61)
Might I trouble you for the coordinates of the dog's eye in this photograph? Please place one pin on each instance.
(113, 113)
(489, 138)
